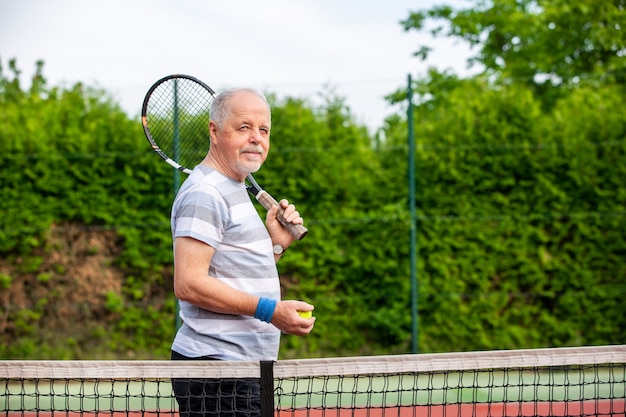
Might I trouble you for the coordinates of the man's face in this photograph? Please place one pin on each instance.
(242, 143)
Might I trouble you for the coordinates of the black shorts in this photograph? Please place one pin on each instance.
(216, 397)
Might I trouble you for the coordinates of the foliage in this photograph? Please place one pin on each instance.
(72, 159)
(532, 140)
(520, 232)
(549, 45)
(521, 216)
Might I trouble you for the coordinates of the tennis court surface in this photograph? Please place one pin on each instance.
(587, 381)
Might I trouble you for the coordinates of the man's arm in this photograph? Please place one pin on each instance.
(192, 259)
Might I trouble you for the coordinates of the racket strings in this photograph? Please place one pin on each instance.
(177, 116)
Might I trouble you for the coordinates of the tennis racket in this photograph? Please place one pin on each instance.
(175, 119)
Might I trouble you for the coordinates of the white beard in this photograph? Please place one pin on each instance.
(248, 167)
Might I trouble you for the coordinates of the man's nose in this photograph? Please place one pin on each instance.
(255, 135)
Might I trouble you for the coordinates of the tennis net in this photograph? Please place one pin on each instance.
(587, 381)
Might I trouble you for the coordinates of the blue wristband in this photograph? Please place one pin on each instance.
(265, 309)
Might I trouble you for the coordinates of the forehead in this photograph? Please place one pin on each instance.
(248, 104)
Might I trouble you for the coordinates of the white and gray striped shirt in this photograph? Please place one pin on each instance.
(217, 210)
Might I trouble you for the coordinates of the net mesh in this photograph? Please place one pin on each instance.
(541, 382)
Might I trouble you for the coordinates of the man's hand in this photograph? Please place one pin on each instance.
(287, 319)
(277, 232)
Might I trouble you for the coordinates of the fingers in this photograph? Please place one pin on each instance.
(290, 213)
(304, 327)
(287, 319)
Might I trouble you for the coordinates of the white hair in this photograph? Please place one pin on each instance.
(220, 107)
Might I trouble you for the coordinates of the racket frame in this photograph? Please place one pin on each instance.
(264, 198)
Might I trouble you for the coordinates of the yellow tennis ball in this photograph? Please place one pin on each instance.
(305, 314)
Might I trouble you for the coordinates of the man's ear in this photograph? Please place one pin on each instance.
(213, 131)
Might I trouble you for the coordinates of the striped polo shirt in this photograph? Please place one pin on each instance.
(217, 210)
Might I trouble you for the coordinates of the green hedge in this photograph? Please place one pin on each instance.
(522, 218)
(520, 232)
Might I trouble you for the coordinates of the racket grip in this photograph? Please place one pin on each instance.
(297, 230)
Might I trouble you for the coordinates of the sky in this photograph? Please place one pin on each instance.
(356, 49)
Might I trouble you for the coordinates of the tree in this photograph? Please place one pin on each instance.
(542, 43)
(514, 171)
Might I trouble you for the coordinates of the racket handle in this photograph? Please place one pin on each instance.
(297, 230)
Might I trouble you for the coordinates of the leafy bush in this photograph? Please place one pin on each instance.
(520, 229)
